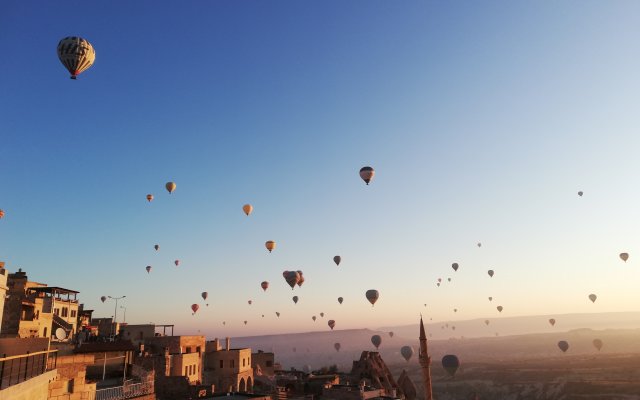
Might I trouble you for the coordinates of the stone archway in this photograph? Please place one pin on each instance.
(242, 387)
(249, 385)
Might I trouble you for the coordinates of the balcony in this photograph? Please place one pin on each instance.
(20, 368)
(127, 391)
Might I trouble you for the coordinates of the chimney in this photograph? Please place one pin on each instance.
(228, 343)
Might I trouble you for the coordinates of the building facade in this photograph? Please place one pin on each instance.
(229, 370)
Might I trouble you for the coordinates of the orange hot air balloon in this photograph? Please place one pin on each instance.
(149, 198)
(270, 245)
(1, 214)
(337, 260)
(148, 268)
(171, 186)
(331, 324)
(301, 280)
(367, 174)
(247, 208)
(264, 285)
(177, 262)
(195, 308)
(76, 54)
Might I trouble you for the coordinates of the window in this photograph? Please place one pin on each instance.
(65, 311)
(221, 364)
(269, 363)
(186, 371)
(73, 313)
(56, 311)
(243, 361)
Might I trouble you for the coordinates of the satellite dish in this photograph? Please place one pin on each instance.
(61, 334)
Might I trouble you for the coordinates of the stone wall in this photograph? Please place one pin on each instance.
(34, 389)
(70, 383)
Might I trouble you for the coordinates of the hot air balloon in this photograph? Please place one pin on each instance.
(224, 322)
(171, 186)
(367, 173)
(264, 285)
(177, 262)
(262, 315)
(294, 349)
(624, 256)
(453, 327)
(245, 322)
(270, 245)
(331, 323)
(204, 295)
(372, 295)
(597, 343)
(1, 214)
(250, 302)
(490, 298)
(390, 334)
(499, 308)
(295, 299)
(313, 318)
(449, 279)
(247, 208)
(292, 278)
(195, 308)
(278, 314)
(563, 345)
(157, 247)
(376, 340)
(552, 321)
(490, 272)
(337, 260)
(438, 284)
(479, 244)
(593, 298)
(76, 54)
(450, 363)
(149, 198)
(337, 346)
(455, 310)
(103, 298)
(301, 280)
(455, 266)
(407, 352)
(322, 314)
(486, 322)
(580, 193)
(148, 268)
(340, 300)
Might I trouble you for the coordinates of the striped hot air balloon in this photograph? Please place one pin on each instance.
(76, 54)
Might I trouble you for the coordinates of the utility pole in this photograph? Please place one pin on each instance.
(115, 314)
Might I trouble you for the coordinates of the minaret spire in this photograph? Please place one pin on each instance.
(425, 363)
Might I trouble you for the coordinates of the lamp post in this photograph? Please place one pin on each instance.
(115, 314)
(124, 319)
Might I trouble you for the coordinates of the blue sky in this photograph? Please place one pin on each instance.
(482, 120)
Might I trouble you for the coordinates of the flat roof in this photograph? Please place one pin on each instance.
(51, 289)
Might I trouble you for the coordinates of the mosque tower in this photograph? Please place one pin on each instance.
(425, 363)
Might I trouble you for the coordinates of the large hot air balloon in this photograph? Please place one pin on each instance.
(376, 340)
(76, 54)
(391, 334)
(148, 268)
(177, 262)
(195, 308)
(337, 260)
(337, 346)
(247, 208)
(593, 297)
(103, 298)
(295, 299)
(624, 256)
(149, 198)
(490, 272)
(450, 363)
(372, 295)
(313, 318)
(455, 266)
(597, 343)
(407, 352)
(292, 278)
(170, 186)
(367, 173)
(270, 245)
(264, 285)
(157, 247)
(331, 323)
(499, 308)
(301, 280)
(552, 321)
(340, 300)
(563, 345)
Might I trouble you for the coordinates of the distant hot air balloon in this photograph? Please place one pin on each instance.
(450, 363)
(331, 323)
(407, 352)
(292, 278)
(264, 285)
(580, 193)
(439, 279)
(499, 308)
(262, 315)
(171, 186)
(1, 214)
(455, 310)
(76, 54)
(103, 298)
(337, 346)
(453, 327)
(455, 266)
(593, 298)
(486, 322)
(337, 260)
(245, 322)
(247, 208)
(295, 299)
(294, 349)
(367, 174)
(148, 268)
(479, 244)
(177, 262)
(563, 345)
(438, 284)
(270, 245)
(340, 300)
(250, 302)
(372, 295)
(624, 256)
(224, 322)
(157, 247)
(313, 318)
(195, 308)
(490, 272)
(278, 314)
(597, 343)
(376, 340)
(490, 298)
(322, 314)
(301, 280)
(390, 334)
(552, 321)
(204, 295)
(149, 198)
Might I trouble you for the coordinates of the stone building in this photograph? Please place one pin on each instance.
(228, 369)
(183, 355)
(264, 362)
(3, 287)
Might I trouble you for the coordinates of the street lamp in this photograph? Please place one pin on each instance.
(124, 319)
(115, 314)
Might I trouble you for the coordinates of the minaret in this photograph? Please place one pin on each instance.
(425, 363)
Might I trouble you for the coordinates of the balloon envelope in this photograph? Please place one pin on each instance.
(292, 278)
(597, 343)
(247, 208)
(490, 272)
(157, 247)
(552, 321)
(372, 295)
(264, 285)
(450, 363)
(331, 323)
(76, 54)
(148, 268)
(376, 340)
(580, 193)
(563, 345)
(270, 245)
(295, 299)
(1, 214)
(103, 298)
(195, 308)
(406, 352)
(486, 322)
(340, 300)
(455, 266)
(149, 197)
(170, 186)
(337, 346)
(624, 256)
(499, 308)
(593, 298)
(337, 260)
(367, 174)
(322, 314)
(391, 334)
(204, 295)
(177, 262)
